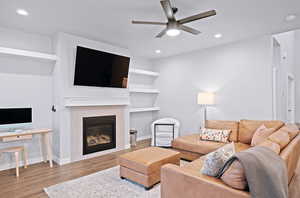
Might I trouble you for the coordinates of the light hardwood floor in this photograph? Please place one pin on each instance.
(32, 180)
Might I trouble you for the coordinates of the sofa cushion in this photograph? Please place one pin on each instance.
(235, 176)
(214, 161)
(241, 146)
(193, 143)
(291, 129)
(229, 125)
(195, 166)
(290, 155)
(261, 134)
(281, 137)
(271, 145)
(248, 127)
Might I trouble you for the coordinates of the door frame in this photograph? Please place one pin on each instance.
(276, 64)
(292, 89)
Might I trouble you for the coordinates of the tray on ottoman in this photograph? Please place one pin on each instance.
(143, 166)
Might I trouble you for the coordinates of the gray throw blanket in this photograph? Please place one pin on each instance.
(266, 172)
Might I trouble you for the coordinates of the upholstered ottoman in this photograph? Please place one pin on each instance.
(143, 166)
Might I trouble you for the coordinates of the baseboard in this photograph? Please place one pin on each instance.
(127, 146)
(60, 161)
(11, 165)
(144, 137)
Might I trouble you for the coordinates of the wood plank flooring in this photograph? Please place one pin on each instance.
(32, 180)
(38, 176)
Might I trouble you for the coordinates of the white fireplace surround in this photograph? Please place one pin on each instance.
(77, 115)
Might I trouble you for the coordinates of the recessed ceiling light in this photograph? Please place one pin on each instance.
(22, 12)
(290, 17)
(158, 51)
(173, 32)
(218, 35)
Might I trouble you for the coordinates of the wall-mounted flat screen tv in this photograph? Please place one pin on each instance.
(100, 69)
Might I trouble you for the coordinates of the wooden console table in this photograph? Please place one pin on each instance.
(27, 135)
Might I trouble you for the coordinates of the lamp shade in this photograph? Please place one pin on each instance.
(206, 98)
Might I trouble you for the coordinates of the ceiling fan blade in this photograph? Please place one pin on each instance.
(162, 33)
(197, 17)
(168, 9)
(189, 29)
(148, 23)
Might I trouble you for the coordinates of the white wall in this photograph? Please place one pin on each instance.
(286, 67)
(26, 83)
(239, 73)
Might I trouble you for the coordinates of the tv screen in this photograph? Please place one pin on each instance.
(100, 69)
(15, 116)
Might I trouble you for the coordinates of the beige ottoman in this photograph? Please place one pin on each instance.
(143, 166)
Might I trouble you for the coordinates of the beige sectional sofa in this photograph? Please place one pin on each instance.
(188, 182)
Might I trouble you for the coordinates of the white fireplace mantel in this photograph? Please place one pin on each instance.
(88, 102)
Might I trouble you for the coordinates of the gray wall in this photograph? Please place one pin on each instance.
(239, 73)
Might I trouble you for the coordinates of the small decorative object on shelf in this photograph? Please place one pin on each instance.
(164, 131)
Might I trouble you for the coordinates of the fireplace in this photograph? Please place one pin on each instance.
(99, 134)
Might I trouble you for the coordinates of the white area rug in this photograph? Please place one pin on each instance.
(103, 184)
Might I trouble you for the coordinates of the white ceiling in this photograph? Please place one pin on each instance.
(110, 21)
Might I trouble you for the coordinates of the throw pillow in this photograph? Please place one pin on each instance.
(214, 161)
(291, 129)
(261, 134)
(235, 176)
(271, 145)
(215, 135)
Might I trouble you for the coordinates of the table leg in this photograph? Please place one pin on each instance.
(47, 143)
(17, 163)
(25, 156)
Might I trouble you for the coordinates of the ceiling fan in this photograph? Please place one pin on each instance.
(174, 26)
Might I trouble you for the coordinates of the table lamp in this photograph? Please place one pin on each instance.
(205, 99)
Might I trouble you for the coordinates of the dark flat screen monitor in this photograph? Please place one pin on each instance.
(15, 116)
(100, 69)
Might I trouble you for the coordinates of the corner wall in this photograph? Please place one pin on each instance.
(239, 73)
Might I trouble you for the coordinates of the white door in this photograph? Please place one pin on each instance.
(291, 99)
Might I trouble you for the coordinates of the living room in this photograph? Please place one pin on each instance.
(195, 67)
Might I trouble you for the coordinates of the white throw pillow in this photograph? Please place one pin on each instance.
(216, 135)
(214, 161)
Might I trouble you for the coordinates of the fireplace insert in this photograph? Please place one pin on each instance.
(99, 134)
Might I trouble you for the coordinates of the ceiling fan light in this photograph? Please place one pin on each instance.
(173, 32)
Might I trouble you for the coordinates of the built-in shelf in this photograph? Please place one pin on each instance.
(29, 54)
(136, 110)
(143, 72)
(143, 90)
